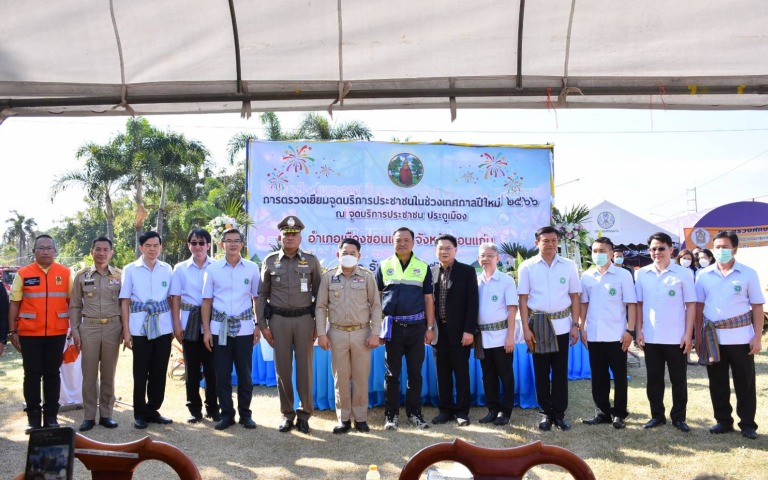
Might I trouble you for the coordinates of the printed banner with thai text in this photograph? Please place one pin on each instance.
(756, 236)
(366, 190)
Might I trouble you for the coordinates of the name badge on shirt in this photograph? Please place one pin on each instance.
(32, 282)
(89, 283)
(304, 285)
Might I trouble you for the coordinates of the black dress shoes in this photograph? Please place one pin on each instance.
(562, 424)
(681, 425)
(597, 419)
(343, 427)
(160, 419)
(442, 418)
(107, 422)
(139, 423)
(501, 420)
(87, 425)
(720, 428)
(215, 416)
(749, 433)
(362, 427)
(618, 423)
(194, 418)
(545, 423)
(225, 423)
(489, 417)
(286, 426)
(248, 423)
(654, 422)
(302, 426)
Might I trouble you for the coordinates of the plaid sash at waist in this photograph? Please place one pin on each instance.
(557, 315)
(543, 333)
(188, 307)
(151, 326)
(230, 325)
(493, 327)
(194, 321)
(710, 346)
(386, 325)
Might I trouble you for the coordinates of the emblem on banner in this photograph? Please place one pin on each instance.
(405, 170)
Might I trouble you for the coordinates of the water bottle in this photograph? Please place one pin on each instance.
(373, 473)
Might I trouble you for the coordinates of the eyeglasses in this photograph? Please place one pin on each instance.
(195, 244)
(230, 241)
(658, 249)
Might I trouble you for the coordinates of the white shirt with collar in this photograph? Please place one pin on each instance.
(187, 283)
(664, 295)
(232, 290)
(549, 287)
(728, 296)
(140, 284)
(607, 295)
(496, 294)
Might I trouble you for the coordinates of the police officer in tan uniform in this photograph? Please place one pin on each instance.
(290, 279)
(348, 321)
(97, 330)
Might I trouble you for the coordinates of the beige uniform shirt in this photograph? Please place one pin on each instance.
(95, 295)
(288, 282)
(348, 301)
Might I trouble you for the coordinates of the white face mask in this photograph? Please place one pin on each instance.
(348, 261)
(685, 263)
(703, 263)
(600, 259)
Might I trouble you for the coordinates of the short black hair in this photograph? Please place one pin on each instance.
(660, 237)
(233, 230)
(708, 253)
(199, 233)
(350, 241)
(547, 229)
(604, 241)
(101, 239)
(150, 234)
(446, 236)
(405, 229)
(44, 235)
(730, 235)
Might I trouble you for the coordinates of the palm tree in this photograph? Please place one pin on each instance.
(20, 231)
(99, 178)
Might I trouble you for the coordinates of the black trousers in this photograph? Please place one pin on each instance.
(195, 357)
(497, 367)
(742, 367)
(452, 361)
(604, 356)
(552, 395)
(150, 362)
(656, 356)
(238, 350)
(406, 341)
(41, 359)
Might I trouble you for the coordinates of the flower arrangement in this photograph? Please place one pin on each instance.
(219, 225)
(572, 232)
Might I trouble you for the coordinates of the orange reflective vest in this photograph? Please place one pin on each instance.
(44, 309)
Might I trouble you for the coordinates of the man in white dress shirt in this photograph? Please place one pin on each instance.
(496, 321)
(549, 289)
(666, 309)
(608, 325)
(186, 298)
(729, 315)
(147, 328)
(230, 292)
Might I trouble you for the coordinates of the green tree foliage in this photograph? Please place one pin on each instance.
(21, 232)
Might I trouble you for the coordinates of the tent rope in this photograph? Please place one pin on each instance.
(123, 87)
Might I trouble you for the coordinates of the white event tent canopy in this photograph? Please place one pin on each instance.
(621, 226)
(118, 57)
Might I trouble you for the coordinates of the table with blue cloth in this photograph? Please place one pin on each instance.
(324, 396)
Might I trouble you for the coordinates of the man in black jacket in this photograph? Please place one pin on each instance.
(456, 307)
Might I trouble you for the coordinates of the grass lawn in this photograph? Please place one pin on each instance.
(662, 453)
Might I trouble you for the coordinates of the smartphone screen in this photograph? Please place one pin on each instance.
(50, 454)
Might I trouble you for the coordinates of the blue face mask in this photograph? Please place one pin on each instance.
(600, 259)
(618, 260)
(723, 255)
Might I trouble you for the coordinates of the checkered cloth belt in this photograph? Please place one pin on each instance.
(386, 325)
(544, 331)
(230, 325)
(188, 307)
(493, 327)
(710, 347)
(151, 326)
(557, 315)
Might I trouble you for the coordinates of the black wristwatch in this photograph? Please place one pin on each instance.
(631, 332)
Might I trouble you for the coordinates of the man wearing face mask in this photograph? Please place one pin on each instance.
(729, 315)
(666, 296)
(348, 321)
(608, 324)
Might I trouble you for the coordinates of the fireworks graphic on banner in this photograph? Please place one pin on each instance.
(493, 164)
(514, 184)
(296, 159)
(469, 177)
(326, 171)
(277, 180)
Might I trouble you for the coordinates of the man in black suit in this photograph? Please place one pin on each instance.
(456, 307)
